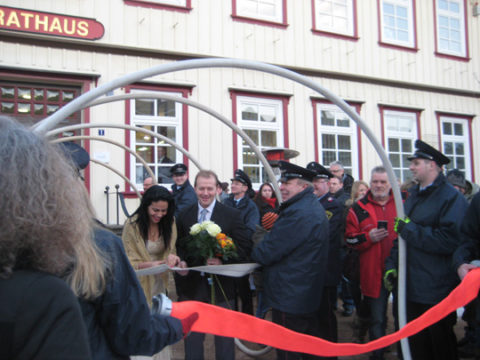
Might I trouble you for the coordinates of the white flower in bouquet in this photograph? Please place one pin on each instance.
(213, 229)
(195, 229)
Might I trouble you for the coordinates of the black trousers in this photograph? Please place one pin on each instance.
(326, 318)
(438, 341)
(302, 323)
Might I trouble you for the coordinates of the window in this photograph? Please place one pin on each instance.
(334, 16)
(456, 143)
(180, 5)
(163, 117)
(263, 10)
(397, 22)
(400, 132)
(451, 27)
(30, 103)
(336, 137)
(262, 120)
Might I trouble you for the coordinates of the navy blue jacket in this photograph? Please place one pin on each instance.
(470, 247)
(431, 237)
(250, 213)
(119, 323)
(184, 197)
(294, 255)
(334, 210)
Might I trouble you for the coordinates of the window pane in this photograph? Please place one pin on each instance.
(394, 159)
(24, 94)
(166, 108)
(252, 134)
(448, 148)
(23, 108)
(8, 92)
(52, 108)
(167, 131)
(458, 129)
(68, 96)
(8, 107)
(343, 122)
(141, 137)
(460, 162)
(38, 94)
(459, 149)
(393, 145)
(328, 118)
(344, 142)
(345, 158)
(165, 154)
(328, 141)
(38, 109)
(144, 107)
(447, 128)
(53, 95)
(145, 152)
(250, 113)
(268, 114)
(328, 157)
(407, 145)
(253, 173)
(249, 156)
(269, 139)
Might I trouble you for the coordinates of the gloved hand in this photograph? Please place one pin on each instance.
(188, 322)
(390, 279)
(400, 224)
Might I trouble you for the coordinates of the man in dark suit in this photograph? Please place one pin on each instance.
(195, 285)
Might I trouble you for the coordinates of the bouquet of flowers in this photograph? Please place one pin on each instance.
(208, 241)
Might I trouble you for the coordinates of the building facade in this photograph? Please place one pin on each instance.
(410, 68)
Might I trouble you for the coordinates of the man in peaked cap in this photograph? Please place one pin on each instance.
(239, 199)
(434, 211)
(183, 193)
(294, 255)
(327, 321)
(78, 155)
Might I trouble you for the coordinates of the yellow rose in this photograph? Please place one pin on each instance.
(213, 229)
(195, 229)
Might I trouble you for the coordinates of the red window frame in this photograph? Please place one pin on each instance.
(353, 37)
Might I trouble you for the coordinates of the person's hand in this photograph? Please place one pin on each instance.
(188, 322)
(390, 279)
(172, 260)
(377, 235)
(182, 264)
(158, 262)
(400, 224)
(214, 261)
(464, 269)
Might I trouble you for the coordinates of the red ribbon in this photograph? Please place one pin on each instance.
(219, 321)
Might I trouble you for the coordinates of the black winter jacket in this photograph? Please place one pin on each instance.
(431, 237)
(294, 255)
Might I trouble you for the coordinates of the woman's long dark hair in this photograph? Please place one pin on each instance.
(156, 193)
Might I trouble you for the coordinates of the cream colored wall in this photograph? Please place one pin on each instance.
(209, 30)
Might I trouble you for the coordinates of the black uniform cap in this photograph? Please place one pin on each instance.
(77, 153)
(425, 151)
(242, 177)
(322, 172)
(178, 169)
(292, 171)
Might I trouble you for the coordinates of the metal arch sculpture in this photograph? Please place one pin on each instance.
(84, 99)
(98, 138)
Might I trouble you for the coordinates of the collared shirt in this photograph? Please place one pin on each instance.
(209, 209)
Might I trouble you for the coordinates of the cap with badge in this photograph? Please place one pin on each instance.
(178, 169)
(292, 171)
(240, 175)
(76, 153)
(322, 172)
(425, 151)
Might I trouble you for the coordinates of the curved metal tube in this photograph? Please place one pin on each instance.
(99, 138)
(84, 99)
(119, 174)
(207, 110)
(126, 127)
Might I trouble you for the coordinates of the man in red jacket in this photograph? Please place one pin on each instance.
(369, 229)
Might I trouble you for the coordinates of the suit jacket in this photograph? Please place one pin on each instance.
(194, 286)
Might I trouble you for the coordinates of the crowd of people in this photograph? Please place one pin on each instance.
(331, 241)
